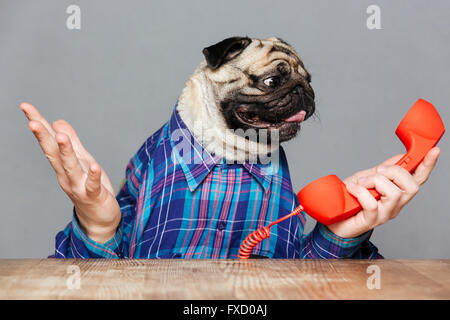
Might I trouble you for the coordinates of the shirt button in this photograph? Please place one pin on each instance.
(221, 225)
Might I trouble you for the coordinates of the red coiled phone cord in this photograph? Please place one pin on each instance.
(260, 234)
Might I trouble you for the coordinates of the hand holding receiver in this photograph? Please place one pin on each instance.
(327, 199)
(78, 174)
(349, 214)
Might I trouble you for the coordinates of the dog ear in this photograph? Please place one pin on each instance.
(225, 50)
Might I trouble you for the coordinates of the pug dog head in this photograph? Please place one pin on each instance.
(262, 84)
(247, 84)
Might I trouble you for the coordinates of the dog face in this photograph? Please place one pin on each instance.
(260, 84)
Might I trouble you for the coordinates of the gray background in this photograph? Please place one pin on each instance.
(117, 78)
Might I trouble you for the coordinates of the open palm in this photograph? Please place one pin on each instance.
(78, 174)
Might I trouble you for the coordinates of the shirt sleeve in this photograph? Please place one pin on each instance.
(321, 243)
(72, 242)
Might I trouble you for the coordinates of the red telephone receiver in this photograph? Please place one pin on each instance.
(327, 199)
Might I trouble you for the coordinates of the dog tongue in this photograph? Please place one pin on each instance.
(298, 117)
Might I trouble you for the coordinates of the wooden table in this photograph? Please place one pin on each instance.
(223, 279)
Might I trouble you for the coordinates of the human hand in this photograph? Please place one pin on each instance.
(78, 174)
(396, 186)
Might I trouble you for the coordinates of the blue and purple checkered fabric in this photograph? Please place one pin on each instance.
(178, 204)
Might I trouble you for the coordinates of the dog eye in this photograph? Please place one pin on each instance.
(272, 82)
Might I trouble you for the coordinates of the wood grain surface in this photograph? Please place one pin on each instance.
(223, 279)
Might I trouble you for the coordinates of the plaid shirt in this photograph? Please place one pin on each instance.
(178, 204)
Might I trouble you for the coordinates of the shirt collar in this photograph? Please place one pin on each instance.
(197, 162)
(263, 173)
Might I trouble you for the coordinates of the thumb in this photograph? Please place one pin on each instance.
(392, 161)
(93, 183)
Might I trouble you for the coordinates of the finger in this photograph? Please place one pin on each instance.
(48, 146)
(381, 183)
(401, 178)
(391, 194)
(392, 161)
(70, 162)
(424, 169)
(65, 127)
(368, 203)
(364, 173)
(32, 113)
(93, 183)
